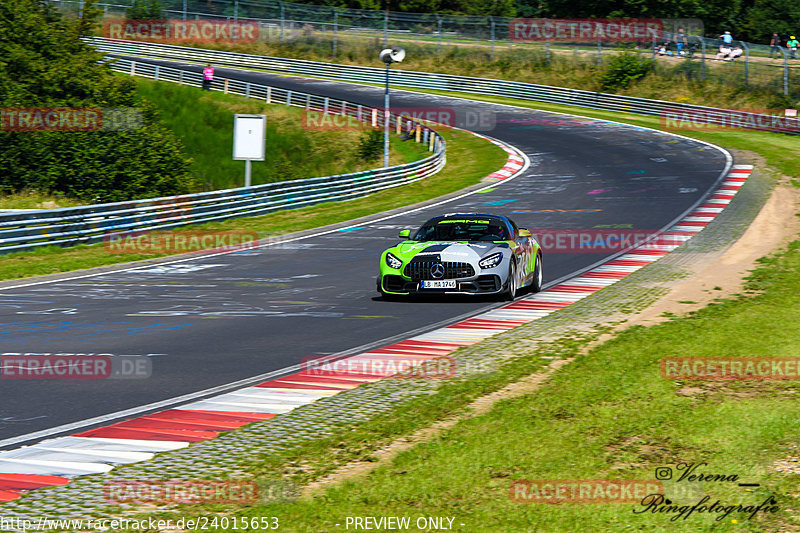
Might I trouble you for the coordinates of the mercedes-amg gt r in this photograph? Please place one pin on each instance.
(463, 254)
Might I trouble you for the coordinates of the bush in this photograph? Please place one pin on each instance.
(371, 145)
(623, 69)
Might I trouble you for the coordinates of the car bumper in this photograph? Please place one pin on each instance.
(483, 284)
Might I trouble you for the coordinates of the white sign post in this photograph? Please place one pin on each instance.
(249, 140)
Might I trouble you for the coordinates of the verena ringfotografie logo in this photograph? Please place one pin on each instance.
(177, 491)
(162, 242)
(585, 30)
(583, 490)
(201, 31)
(731, 368)
(43, 366)
(70, 119)
(677, 120)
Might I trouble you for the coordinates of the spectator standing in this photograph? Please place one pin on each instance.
(774, 45)
(680, 41)
(208, 77)
(792, 44)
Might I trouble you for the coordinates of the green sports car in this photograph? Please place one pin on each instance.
(462, 254)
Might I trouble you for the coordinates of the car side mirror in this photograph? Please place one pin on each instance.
(524, 233)
(405, 234)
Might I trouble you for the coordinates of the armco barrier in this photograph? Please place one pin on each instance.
(85, 224)
(421, 80)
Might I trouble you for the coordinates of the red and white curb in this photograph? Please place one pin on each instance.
(56, 461)
(512, 166)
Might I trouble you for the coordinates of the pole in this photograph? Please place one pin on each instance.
(386, 26)
(283, 18)
(746, 62)
(491, 20)
(184, 9)
(246, 172)
(785, 72)
(703, 59)
(236, 10)
(335, 29)
(386, 121)
(439, 32)
(599, 51)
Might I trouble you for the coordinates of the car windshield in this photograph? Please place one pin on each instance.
(461, 230)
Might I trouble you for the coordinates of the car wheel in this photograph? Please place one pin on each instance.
(536, 286)
(512, 285)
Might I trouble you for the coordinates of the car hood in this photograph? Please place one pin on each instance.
(449, 251)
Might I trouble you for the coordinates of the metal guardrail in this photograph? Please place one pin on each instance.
(86, 224)
(426, 80)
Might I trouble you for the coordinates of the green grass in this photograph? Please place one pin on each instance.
(204, 123)
(469, 160)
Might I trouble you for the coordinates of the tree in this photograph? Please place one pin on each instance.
(44, 64)
(145, 10)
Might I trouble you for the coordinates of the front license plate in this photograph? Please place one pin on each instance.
(438, 284)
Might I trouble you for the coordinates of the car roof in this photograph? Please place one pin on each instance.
(469, 215)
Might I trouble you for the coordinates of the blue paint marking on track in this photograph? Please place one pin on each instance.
(501, 202)
(351, 229)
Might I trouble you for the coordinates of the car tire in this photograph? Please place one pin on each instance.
(511, 285)
(536, 285)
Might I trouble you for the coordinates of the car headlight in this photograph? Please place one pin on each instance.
(392, 261)
(491, 261)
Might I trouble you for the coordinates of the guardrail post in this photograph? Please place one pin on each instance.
(225, 86)
(133, 67)
(344, 108)
(289, 97)
(247, 90)
(431, 140)
(419, 133)
(180, 78)
(325, 105)
(269, 95)
(374, 118)
(308, 102)
(358, 113)
(155, 73)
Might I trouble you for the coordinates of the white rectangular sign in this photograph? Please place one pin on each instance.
(249, 137)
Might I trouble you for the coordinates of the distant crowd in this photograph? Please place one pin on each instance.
(678, 45)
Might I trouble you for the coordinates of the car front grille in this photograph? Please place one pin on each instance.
(419, 270)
